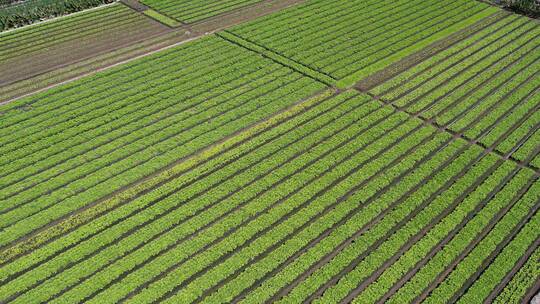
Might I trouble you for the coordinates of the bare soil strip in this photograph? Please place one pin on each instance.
(435, 48)
(85, 62)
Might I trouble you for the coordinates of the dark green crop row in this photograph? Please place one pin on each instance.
(190, 11)
(31, 11)
(319, 34)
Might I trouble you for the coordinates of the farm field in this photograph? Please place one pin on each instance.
(189, 11)
(320, 152)
(36, 48)
(486, 87)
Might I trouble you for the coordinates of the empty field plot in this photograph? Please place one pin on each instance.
(72, 145)
(189, 11)
(486, 87)
(38, 47)
(323, 202)
(348, 40)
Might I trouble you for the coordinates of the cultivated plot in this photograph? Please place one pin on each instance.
(231, 168)
(486, 87)
(327, 201)
(348, 40)
(189, 11)
(70, 146)
(34, 49)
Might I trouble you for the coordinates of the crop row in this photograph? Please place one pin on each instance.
(422, 262)
(268, 248)
(41, 36)
(504, 262)
(19, 153)
(482, 254)
(366, 255)
(106, 213)
(46, 105)
(377, 198)
(311, 283)
(443, 59)
(320, 279)
(318, 34)
(125, 156)
(522, 282)
(189, 11)
(485, 87)
(236, 180)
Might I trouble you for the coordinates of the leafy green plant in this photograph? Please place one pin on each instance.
(527, 7)
(35, 10)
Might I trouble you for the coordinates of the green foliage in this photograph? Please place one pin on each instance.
(527, 7)
(35, 10)
(190, 11)
(161, 18)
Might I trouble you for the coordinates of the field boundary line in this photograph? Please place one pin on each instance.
(155, 179)
(278, 58)
(476, 142)
(436, 47)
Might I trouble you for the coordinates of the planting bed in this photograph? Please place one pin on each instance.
(486, 87)
(239, 167)
(348, 40)
(38, 48)
(189, 11)
(66, 147)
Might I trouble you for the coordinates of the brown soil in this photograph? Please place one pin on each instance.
(26, 78)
